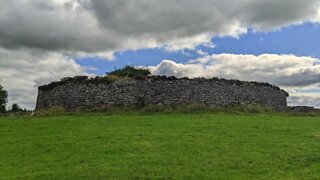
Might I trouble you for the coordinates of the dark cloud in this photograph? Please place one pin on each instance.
(91, 26)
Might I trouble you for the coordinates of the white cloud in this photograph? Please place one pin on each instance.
(189, 43)
(294, 74)
(21, 72)
(316, 18)
(283, 70)
(202, 53)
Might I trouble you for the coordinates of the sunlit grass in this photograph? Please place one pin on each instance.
(160, 146)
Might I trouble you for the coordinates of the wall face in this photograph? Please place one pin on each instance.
(160, 92)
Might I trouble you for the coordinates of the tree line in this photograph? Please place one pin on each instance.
(15, 108)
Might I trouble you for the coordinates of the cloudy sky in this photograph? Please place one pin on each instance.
(275, 41)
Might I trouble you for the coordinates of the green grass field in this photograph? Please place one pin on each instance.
(159, 146)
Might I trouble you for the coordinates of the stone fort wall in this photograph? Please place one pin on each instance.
(86, 93)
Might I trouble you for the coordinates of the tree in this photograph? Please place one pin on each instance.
(16, 108)
(3, 99)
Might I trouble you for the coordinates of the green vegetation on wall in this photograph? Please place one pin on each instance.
(130, 71)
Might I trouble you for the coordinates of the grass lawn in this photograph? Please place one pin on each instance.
(173, 146)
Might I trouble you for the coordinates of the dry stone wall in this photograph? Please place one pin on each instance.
(157, 91)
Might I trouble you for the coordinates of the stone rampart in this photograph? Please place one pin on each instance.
(88, 93)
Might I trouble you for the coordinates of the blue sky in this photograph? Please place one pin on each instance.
(300, 40)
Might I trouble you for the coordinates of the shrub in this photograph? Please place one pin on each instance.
(129, 71)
